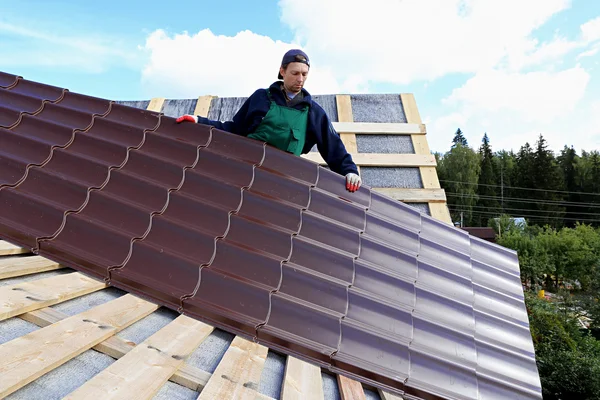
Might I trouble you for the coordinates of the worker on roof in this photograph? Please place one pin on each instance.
(286, 117)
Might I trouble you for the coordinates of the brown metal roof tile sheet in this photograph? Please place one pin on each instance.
(318, 289)
(239, 305)
(374, 311)
(247, 263)
(9, 116)
(395, 211)
(335, 184)
(433, 377)
(16, 153)
(301, 327)
(329, 232)
(325, 204)
(281, 187)
(20, 103)
(38, 90)
(382, 283)
(7, 80)
(257, 235)
(87, 104)
(37, 128)
(365, 351)
(261, 243)
(326, 260)
(291, 167)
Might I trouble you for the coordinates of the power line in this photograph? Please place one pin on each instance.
(532, 210)
(536, 217)
(519, 188)
(524, 200)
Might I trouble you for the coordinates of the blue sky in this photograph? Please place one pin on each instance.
(511, 69)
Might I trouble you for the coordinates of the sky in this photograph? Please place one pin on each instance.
(513, 69)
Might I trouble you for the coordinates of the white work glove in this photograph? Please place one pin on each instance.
(353, 182)
(187, 117)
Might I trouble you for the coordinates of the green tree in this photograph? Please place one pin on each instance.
(460, 168)
(548, 178)
(459, 138)
(486, 189)
(567, 161)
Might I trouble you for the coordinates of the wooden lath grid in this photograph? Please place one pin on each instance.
(142, 368)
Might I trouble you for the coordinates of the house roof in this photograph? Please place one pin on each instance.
(262, 244)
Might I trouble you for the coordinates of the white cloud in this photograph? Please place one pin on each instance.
(184, 65)
(591, 30)
(534, 96)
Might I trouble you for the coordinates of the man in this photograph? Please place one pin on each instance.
(285, 117)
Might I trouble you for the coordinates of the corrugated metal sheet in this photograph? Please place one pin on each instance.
(262, 244)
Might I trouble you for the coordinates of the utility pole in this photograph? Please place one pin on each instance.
(461, 219)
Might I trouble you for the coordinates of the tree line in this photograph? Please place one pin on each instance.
(533, 183)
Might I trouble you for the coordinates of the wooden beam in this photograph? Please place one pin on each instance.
(188, 376)
(344, 111)
(23, 297)
(429, 176)
(414, 195)
(350, 389)
(144, 370)
(203, 106)
(8, 249)
(24, 359)
(379, 128)
(238, 374)
(156, 104)
(388, 396)
(382, 160)
(19, 266)
(302, 381)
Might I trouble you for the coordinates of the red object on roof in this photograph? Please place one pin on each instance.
(263, 244)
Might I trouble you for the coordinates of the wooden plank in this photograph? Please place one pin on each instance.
(382, 160)
(429, 175)
(350, 389)
(156, 104)
(23, 297)
(380, 128)
(409, 195)
(388, 396)
(344, 110)
(203, 106)
(302, 381)
(24, 359)
(238, 374)
(8, 249)
(189, 376)
(141, 373)
(19, 266)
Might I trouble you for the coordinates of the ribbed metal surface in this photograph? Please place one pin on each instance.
(263, 244)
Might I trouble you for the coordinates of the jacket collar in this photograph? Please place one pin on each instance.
(275, 90)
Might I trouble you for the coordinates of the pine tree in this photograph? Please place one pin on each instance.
(548, 178)
(459, 138)
(567, 161)
(486, 190)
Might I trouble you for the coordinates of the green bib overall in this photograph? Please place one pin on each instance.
(283, 127)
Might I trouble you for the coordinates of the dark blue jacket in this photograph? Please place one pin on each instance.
(319, 129)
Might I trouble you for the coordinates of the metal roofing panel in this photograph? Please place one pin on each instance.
(263, 244)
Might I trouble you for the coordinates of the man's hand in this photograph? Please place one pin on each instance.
(187, 117)
(353, 182)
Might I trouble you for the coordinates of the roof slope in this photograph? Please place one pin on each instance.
(262, 244)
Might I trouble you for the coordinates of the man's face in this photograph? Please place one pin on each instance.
(294, 77)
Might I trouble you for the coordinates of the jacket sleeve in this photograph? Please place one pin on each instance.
(247, 118)
(331, 147)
